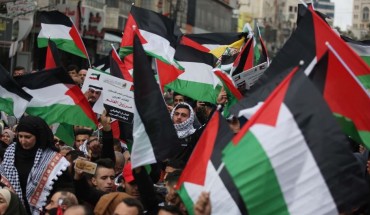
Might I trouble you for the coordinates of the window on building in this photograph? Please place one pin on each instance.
(356, 7)
(355, 25)
(355, 16)
(295, 9)
(365, 13)
(290, 8)
(361, 26)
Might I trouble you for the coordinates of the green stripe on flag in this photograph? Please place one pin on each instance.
(195, 90)
(61, 113)
(189, 204)
(365, 80)
(63, 44)
(7, 105)
(258, 186)
(366, 59)
(350, 129)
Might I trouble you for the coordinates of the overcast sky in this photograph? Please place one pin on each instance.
(343, 13)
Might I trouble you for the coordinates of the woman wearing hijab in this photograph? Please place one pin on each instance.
(7, 137)
(32, 167)
(10, 203)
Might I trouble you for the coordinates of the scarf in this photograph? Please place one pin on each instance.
(185, 128)
(47, 167)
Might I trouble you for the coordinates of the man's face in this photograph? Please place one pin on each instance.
(80, 139)
(180, 115)
(131, 189)
(93, 95)
(123, 209)
(53, 201)
(177, 99)
(103, 179)
(82, 74)
(94, 145)
(19, 72)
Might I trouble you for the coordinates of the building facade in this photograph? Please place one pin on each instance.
(101, 23)
(360, 18)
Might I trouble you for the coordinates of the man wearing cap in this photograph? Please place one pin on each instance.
(129, 181)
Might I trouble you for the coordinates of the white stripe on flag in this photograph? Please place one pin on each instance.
(158, 45)
(19, 104)
(50, 95)
(199, 72)
(55, 31)
(142, 151)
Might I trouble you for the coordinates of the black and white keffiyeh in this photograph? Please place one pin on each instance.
(48, 166)
(185, 128)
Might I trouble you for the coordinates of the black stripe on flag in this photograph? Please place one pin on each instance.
(55, 17)
(151, 107)
(215, 38)
(44, 78)
(319, 72)
(157, 24)
(8, 83)
(189, 54)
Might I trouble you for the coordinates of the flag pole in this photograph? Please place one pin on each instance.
(331, 48)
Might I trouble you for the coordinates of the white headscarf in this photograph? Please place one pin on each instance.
(185, 128)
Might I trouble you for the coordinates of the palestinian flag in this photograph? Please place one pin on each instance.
(167, 73)
(13, 99)
(214, 43)
(158, 34)
(362, 48)
(198, 81)
(52, 59)
(154, 135)
(118, 68)
(60, 29)
(311, 35)
(292, 157)
(233, 94)
(201, 174)
(56, 98)
(346, 97)
(245, 59)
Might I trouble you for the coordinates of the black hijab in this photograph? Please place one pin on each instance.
(38, 127)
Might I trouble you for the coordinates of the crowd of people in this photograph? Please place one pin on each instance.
(39, 174)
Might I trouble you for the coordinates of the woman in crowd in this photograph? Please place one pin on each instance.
(7, 137)
(32, 167)
(10, 203)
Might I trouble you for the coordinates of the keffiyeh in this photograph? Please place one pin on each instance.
(185, 128)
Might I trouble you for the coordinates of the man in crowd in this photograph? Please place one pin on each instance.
(18, 71)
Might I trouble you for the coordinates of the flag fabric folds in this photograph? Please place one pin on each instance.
(158, 34)
(56, 98)
(52, 59)
(59, 28)
(154, 136)
(292, 158)
(118, 68)
(198, 81)
(13, 99)
(200, 173)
